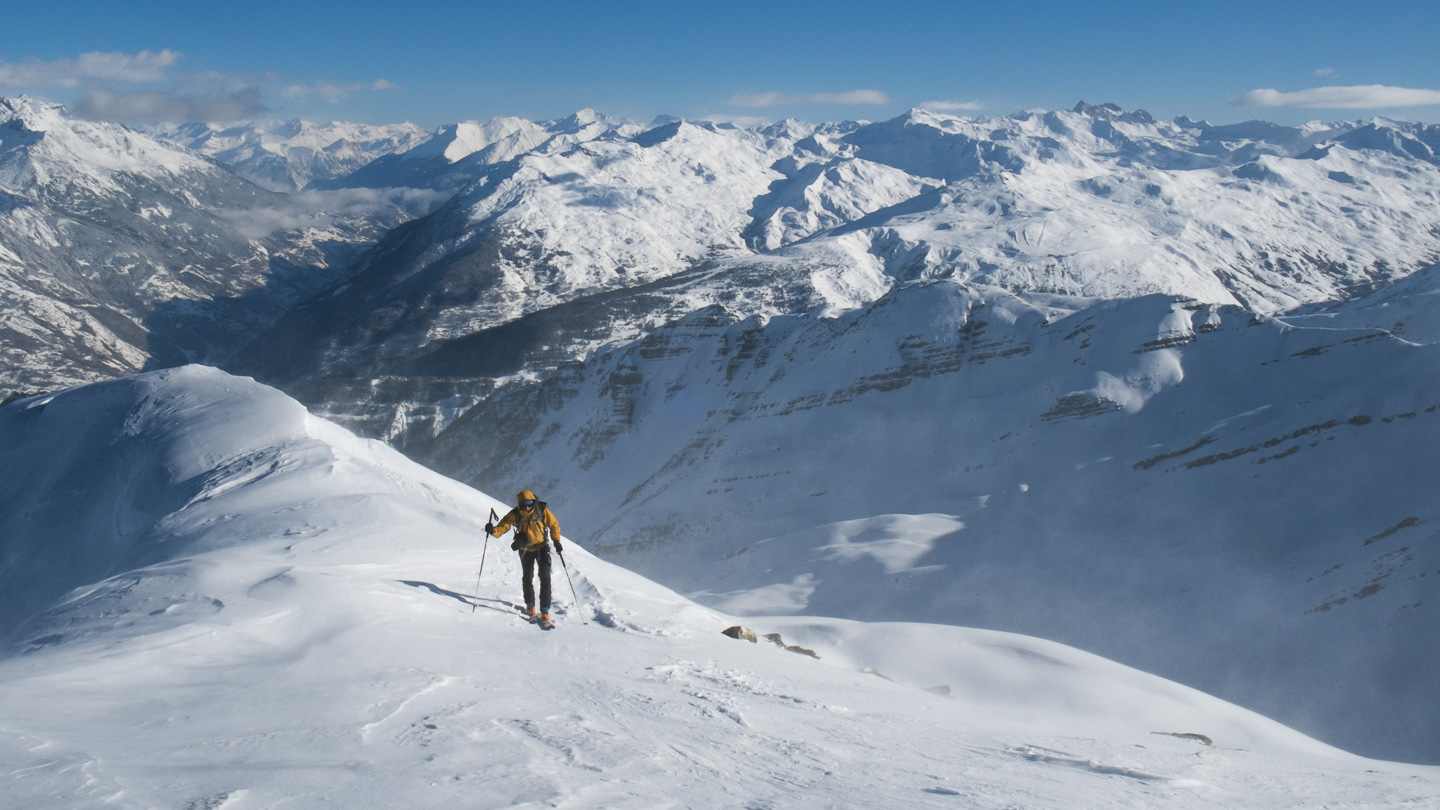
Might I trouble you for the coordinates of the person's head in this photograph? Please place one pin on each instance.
(525, 500)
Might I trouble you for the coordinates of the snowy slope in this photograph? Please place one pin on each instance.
(1239, 503)
(1017, 321)
(246, 607)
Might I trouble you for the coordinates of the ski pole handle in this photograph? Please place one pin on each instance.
(481, 572)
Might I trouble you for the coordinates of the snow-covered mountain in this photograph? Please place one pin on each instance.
(290, 155)
(245, 606)
(1062, 208)
(1160, 390)
(1238, 502)
(119, 251)
(745, 369)
(456, 154)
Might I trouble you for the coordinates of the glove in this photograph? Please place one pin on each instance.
(558, 549)
(490, 529)
(516, 544)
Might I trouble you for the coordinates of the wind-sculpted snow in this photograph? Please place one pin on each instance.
(287, 614)
(1220, 497)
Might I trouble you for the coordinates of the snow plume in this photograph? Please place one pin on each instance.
(1358, 97)
(1155, 372)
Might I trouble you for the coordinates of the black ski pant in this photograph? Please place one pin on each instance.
(528, 559)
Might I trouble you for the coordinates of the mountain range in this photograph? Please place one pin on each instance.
(1161, 390)
(292, 155)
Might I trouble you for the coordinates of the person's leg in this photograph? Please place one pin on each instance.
(527, 572)
(543, 557)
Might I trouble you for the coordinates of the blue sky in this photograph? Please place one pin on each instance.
(440, 62)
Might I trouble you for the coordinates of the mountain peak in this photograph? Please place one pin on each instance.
(63, 150)
(582, 120)
(1110, 111)
(34, 114)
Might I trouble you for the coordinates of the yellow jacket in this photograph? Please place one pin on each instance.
(530, 524)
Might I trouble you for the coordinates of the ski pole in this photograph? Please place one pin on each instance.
(566, 568)
(481, 572)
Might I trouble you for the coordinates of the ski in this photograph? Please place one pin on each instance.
(543, 624)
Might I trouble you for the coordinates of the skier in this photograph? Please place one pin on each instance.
(531, 518)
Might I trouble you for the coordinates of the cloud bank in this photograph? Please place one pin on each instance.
(951, 106)
(1358, 97)
(331, 91)
(149, 106)
(145, 66)
(146, 87)
(775, 99)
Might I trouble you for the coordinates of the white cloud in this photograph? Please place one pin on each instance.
(148, 106)
(760, 99)
(775, 99)
(323, 209)
(1323, 72)
(103, 86)
(852, 97)
(332, 92)
(121, 68)
(1359, 97)
(950, 106)
(741, 121)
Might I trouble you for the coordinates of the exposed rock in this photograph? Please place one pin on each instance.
(742, 633)
(1200, 738)
(774, 638)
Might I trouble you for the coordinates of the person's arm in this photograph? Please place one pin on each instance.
(504, 524)
(554, 526)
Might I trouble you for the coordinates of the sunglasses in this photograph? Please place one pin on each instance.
(527, 503)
